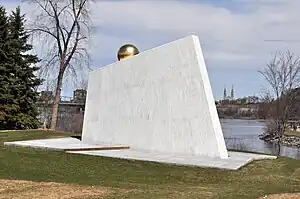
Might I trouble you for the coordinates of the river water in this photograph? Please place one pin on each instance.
(243, 135)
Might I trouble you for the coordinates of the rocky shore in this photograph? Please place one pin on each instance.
(293, 141)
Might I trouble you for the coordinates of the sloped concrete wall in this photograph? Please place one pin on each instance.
(160, 100)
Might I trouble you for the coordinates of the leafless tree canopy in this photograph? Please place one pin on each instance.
(63, 29)
(283, 75)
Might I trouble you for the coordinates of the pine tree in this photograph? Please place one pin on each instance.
(7, 101)
(18, 93)
(25, 67)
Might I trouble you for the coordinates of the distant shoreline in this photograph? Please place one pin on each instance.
(242, 118)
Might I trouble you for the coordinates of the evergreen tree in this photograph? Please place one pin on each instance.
(25, 65)
(7, 101)
(20, 95)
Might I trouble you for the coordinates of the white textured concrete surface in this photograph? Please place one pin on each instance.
(56, 144)
(235, 160)
(160, 100)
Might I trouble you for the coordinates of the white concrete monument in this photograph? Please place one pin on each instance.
(159, 100)
(155, 106)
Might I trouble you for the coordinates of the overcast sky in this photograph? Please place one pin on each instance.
(238, 37)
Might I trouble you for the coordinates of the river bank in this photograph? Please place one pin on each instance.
(287, 140)
(246, 133)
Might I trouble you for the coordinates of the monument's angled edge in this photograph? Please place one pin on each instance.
(210, 98)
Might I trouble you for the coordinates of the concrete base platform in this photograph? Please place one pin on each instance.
(64, 144)
(235, 160)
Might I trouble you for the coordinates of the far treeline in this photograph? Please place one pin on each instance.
(253, 107)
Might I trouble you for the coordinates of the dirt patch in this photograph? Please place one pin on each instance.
(16, 189)
(282, 196)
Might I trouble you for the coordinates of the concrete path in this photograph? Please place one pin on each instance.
(235, 161)
(61, 144)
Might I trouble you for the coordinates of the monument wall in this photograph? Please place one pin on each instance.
(159, 100)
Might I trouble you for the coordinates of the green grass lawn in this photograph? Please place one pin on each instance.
(144, 179)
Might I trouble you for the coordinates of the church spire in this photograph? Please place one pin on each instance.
(224, 93)
(232, 93)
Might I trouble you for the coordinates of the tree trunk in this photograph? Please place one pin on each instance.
(56, 100)
(279, 146)
(280, 136)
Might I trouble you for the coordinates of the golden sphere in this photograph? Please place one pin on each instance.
(127, 50)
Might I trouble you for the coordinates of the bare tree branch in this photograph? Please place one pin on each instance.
(44, 30)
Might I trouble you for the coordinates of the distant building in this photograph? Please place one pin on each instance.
(70, 111)
(227, 97)
(79, 95)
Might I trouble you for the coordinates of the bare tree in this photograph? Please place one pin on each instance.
(265, 101)
(63, 28)
(84, 83)
(283, 75)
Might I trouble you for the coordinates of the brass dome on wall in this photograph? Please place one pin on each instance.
(126, 51)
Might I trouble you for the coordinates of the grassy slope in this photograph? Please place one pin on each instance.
(147, 180)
